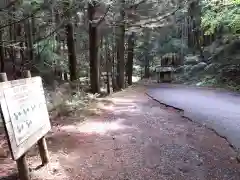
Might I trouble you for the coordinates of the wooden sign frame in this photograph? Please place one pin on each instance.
(25, 93)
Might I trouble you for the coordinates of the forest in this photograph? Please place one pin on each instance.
(110, 116)
(108, 44)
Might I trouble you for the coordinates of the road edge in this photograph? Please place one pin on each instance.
(181, 112)
(162, 103)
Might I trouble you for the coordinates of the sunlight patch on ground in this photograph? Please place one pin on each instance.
(127, 108)
(135, 79)
(121, 105)
(103, 106)
(121, 100)
(95, 127)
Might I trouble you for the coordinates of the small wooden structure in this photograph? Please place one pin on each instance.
(164, 74)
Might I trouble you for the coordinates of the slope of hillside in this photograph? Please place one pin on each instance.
(220, 66)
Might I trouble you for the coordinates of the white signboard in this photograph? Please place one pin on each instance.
(25, 113)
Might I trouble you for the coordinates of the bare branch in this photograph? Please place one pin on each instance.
(10, 4)
(157, 19)
(73, 7)
(23, 19)
(135, 6)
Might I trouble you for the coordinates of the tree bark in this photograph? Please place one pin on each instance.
(146, 68)
(131, 41)
(93, 50)
(72, 60)
(108, 66)
(12, 37)
(72, 57)
(194, 13)
(33, 28)
(114, 62)
(57, 70)
(121, 48)
(29, 44)
(147, 56)
(57, 37)
(22, 55)
(118, 66)
(2, 51)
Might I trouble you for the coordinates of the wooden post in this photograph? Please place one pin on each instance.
(3, 77)
(42, 145)
(27, 74)
(21, 162)
(22, 166)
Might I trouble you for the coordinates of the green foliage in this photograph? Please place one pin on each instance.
(175, 45)
(29, 6)
(221, 14)
(236, 1)
(47, 56)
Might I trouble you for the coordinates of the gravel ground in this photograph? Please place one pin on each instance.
(133, 137)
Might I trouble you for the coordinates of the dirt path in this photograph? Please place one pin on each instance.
(132, 138)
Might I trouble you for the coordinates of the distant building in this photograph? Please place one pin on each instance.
(164, 74)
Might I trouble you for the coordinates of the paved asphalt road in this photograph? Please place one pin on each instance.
(219, 110)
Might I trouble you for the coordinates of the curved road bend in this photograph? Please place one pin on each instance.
(219, 110)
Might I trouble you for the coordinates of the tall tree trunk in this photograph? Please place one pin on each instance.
(33, 27)
(22, 57)
(72, 57)
(93, 50)
(2, 51)
(194, 13)
(29, 44)
(57, 37)
(72, 60)
(121, 48)
(102, 67)
(147, 56)
(131, 40)
(108, 65)
(146, 67)
(100, 55)
(58, 70)
(114, 58)
(12, 38)
(26, 45)
(21, 44)
(189, 31)
(118, 65)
